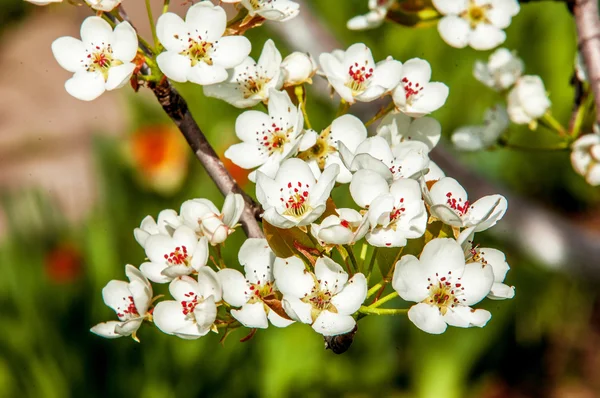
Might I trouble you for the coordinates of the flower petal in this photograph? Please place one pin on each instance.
(85, 86)
(69, 52)
(331, 324)
(409, 280)
(353, 294)
(291, 277)
(234, 287)
(427, 318)
(252, 315)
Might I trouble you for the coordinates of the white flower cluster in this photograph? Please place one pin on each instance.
(479, 24)
(527, 100)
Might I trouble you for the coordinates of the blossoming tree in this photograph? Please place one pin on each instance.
(306, 260)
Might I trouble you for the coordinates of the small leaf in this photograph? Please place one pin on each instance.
(282, 241)
(250, 335)
(276, 306)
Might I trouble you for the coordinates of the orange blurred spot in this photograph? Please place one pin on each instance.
(63, 263)
(160, 156)
(239, 174)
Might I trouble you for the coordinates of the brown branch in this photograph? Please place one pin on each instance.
(176, 107)
(588, 39)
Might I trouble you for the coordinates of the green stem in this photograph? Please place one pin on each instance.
(551, 123)
(343, 108)
(503, 142)
(166, 6)
(371, 264)
(152, 24)
(374, 289)
(352, 258)
(582, 112)
(382, 112)
(381, 311)
(384, 300)
(301, 95)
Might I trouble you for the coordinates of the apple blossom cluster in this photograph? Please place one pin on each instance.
(478, 24)
(316, 263)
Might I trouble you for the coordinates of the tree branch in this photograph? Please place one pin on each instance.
(588, 38)
(176, 107)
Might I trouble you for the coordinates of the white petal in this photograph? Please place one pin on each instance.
(230, 51)
(69, 53)
(234, 287)
(277, 320)
(450, 6)
(465, 317)
(486, 37)
(354, 293)
(168, 316)
(297, 309)
(233, 207)
(153, 271)
(252, 315)
(209, 284)
(207, 19)
(330, 275)
(116, 295)
(454, 30)
(409, 280)
(174, 65)
(205, 74)
(118, 76)
(125, 42)
(86, 86)
(172, 32)
(427, 318)
(441, 256)
(477, 282)
(348, 129)
(487, 211)
(291, 277)
(97, 31)
(257, 258)
(106, 329)
(331, 324)
(366, 185)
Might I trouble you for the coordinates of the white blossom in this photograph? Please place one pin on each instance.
(268, 139)
(443, 286)
(196, 50)
(298, 68)
(415, 95)
(274, 10)
(585, 157)
(475, 138)
(396, 127)
(104, 5)
(100, 61)
(130, 301)
(408, 159)
(294, 198)
(325, 299)
(172, 256)
(249, 82)
(204, 217)
(488, 256)
(527, 101)
(193, 312)
(167, 222)
(476, 23)
(347, 130)
(43, 2)
(449, 203)
(250, 291)
(378, 10)
(345, 228)
(396, 213)
(356, 77)
(501, 71)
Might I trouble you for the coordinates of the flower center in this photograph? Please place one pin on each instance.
(178, 257)
(359, 76)
(198, 51)
(252, 81)
(274, 138)
(100, 59)
(443, 293)
(130, 310)
(322, 148)
(410, 89)
(476, 14)
(345, 224)
(258, 291)
(457, 205)
(188, 306)
(296, 204)
(397, 211)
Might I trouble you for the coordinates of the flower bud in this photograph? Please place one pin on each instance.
(214, 229)
(298, 68)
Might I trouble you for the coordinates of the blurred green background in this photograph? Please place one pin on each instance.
(544, 343)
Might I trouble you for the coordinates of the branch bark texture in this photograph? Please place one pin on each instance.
(588, 34)
(176, 107)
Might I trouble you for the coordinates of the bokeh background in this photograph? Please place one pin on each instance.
(76, 179)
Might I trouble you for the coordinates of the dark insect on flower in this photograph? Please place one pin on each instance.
(339, 344)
